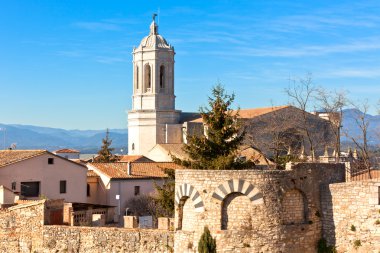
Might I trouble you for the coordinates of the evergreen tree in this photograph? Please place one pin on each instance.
(206, 243)
(217, 149)
(105, 153)
(165, 194)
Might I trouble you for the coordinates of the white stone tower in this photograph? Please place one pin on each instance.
(153, 117)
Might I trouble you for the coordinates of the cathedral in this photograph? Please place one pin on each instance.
(157, 129)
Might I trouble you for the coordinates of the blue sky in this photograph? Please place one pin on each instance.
(68, 64)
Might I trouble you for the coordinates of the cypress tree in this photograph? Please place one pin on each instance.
(217, 148)
(206, 243)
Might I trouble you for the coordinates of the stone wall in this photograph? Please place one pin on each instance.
(351, 216)
(91, 239)
(252, 210)
(22, 229)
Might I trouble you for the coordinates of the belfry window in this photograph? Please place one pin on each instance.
(137, 77)
(162, 76)
(147, 77)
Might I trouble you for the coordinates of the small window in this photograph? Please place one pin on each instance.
(133, 146)
(13, 186)
(137, 190)
(88, 190)
(30, 189)
(62, 186)
(50, 160)
(162, 76)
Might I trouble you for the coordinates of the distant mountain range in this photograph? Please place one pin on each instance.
(35, 137)
(89, 141)
(352, 129)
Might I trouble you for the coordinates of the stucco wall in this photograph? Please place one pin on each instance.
(126, 190)
(351, 212)
(49, 176)
(253, 220)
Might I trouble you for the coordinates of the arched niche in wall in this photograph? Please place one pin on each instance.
(294, 207)
(236, 195)
(189, 202)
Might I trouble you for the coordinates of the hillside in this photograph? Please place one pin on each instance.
(35, 137)
(89, 141)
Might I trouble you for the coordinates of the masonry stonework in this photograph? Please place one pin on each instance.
(252, 210)
(351, 216)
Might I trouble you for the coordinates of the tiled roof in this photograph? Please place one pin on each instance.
(134, 158)
(174, 149)
(254, 112)
(13, 156)
(138, 170)
(66, 150)
(91, 173)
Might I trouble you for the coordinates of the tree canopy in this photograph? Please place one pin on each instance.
(217, 148)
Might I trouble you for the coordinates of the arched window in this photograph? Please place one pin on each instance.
(162, 76)
(147, 78)
(133, 146)
(137, 77)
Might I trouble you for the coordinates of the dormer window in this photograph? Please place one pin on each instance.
(162, 76)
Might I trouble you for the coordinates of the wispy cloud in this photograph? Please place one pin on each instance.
(359, 73)
(368, 44)
(98, 26)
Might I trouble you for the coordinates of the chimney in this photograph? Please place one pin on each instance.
(129, 169)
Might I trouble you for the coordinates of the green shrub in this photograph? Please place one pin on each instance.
(353, 228)
(206, 243)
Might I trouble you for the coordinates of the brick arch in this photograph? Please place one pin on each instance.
(187, 190)
(240, 186)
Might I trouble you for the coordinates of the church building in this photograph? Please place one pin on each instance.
(153, 118)
(157, 130)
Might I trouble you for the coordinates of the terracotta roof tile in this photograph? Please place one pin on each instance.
(13, 156)
(138, 169)
(66, 150)
(91, 173)
(134, 158)
(174, 149)
(254, 112)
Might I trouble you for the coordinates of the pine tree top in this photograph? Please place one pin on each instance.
(217, 149)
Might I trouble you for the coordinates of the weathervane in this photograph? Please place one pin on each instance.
(154, 17)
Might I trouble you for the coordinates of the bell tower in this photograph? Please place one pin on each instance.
(153, 99)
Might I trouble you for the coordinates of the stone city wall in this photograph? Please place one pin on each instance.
(252, 210)
(104, 239)
(22, 229)
(351, 216)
